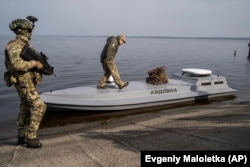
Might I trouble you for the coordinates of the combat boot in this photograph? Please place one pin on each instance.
(21, 140)
(124, 85)
(33, 143)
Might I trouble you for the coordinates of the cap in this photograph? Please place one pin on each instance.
(122, 37)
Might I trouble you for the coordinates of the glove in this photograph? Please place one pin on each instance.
(37, 64)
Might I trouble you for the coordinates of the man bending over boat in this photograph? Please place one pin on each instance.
(107, 59)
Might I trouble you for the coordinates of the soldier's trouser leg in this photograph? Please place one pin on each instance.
(23, 119)
(37, 112)
(115, 73)
(105, 76)
(32, 110)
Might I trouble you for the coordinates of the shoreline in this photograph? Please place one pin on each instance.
(118, 141)
(73, 121)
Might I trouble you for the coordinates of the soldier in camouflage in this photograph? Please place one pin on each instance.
(25, 75)
(107, 59)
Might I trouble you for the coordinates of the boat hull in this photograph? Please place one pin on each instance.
(138, 94)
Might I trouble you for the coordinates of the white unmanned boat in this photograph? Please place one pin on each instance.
(190, 85)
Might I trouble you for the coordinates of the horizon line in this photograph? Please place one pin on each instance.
(142, 36)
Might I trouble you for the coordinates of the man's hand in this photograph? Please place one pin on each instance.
(37, 64)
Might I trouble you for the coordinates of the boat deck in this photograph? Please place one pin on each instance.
(136, 95)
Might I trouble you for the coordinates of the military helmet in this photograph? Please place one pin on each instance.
(20, 24)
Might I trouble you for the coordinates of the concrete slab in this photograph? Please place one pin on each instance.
(118, 141)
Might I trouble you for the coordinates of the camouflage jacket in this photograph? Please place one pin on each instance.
(16, 65)
(13, 61)
(110, 49)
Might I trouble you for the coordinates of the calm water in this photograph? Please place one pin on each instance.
(76, 62)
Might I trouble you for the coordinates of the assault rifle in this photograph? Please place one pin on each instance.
(30, 54)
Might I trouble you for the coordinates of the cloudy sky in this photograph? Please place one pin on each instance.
(180, 18)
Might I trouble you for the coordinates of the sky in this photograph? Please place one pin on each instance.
(175, 18)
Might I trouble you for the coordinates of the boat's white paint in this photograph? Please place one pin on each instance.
(197, 71)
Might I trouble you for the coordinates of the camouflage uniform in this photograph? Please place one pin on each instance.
(25, 77)
(107, 59)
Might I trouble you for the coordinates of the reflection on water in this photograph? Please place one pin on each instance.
(76, 62)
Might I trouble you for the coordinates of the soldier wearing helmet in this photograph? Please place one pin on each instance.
(25, 75)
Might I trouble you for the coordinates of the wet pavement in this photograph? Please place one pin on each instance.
(117, 141)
